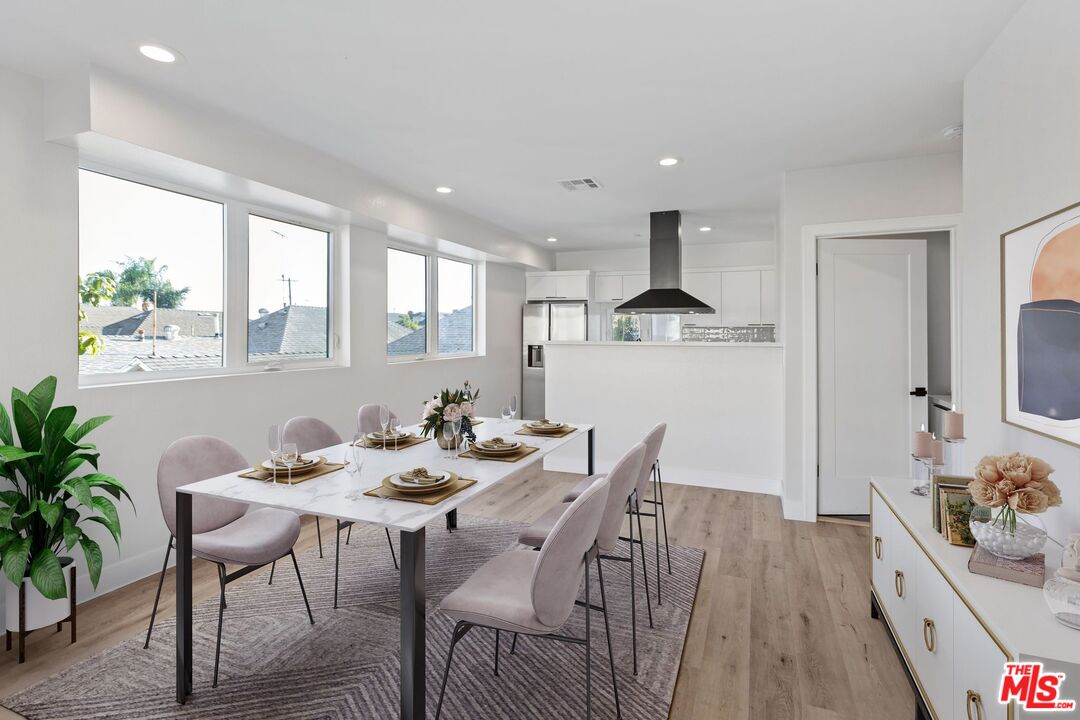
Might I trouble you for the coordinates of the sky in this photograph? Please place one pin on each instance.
(119, 218)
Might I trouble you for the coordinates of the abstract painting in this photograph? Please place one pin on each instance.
(1040, 325)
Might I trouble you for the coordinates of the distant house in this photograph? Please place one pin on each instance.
(455, 336)
(296, 331)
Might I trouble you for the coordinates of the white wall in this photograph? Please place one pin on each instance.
(39, 231)
(907, 187)
(1021, 153)
(694, 256)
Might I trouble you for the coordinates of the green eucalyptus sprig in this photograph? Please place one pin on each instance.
(41, 514)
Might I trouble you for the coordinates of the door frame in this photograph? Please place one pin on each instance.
(810, 236)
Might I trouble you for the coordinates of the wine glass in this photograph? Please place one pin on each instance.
(354, 456)
(505, 414)
(448, 436)
(513, 406)
(395, 427)
(457, 432)
(289, 456)
(273, 442)
(384, 421)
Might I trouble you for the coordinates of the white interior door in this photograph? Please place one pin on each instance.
(872, 355)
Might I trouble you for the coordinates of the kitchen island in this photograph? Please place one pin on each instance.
(723, 403)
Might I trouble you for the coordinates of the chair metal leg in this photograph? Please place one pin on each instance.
(390, 543)
(633, 598)
(349, 536)
(656, 535)
(588, 645)
(318, 533)
(460, 631)
(644, 563)
(273, 566)
(300, 580)
(157, 597)
(220, 619)
(497, 634)
(337, 557)
(513, 645)
(663, 510)
(607, 632)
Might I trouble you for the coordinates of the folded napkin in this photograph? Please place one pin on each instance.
(421, 475)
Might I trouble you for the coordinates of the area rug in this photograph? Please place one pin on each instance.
(274, 664)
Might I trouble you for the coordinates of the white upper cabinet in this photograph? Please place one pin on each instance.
(539, 287)
(609, 288)
(572, 287)
(708, 288)
(740, 302)
(557, 286)
(770, 298)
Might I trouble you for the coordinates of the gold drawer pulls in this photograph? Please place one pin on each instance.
(974, 700)
(899, 584)
(877, 546)
(929, 634)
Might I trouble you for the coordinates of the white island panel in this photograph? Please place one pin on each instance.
(723, 404)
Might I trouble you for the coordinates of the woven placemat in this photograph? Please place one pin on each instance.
(524, 451)
(562, 433)
(451, 489)
(401, 444)
(283, 475)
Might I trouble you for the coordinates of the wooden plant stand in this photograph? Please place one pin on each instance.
(23, 633)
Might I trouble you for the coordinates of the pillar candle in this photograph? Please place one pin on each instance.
(922, 444)
(953, 425)
(938, 447)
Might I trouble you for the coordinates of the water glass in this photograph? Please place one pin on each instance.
(354, 457)
(457, 433)
(384, 422)
(513, 406)
(448, 438)
(289, 456)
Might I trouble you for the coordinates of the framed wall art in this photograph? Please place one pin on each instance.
(1040, 325)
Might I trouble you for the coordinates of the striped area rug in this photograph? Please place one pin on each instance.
(274, 664)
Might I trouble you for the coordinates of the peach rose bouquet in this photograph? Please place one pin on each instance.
(1014, 484)
(450, 406)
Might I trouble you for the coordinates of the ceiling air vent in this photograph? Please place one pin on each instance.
(576, 184)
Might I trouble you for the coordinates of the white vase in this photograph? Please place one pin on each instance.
(40, 612)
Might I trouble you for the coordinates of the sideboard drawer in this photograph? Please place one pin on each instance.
(978, 663)
(903, 591)
(933, 649)
(881, 523)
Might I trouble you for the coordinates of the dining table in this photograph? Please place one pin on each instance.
(341, 495)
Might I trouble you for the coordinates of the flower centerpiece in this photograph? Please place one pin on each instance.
(450, 406)
(1007, 485)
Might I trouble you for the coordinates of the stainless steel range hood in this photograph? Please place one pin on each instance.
(665, 295)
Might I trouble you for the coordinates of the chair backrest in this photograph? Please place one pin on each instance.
(189, 460)
(560, 566)
(309, 433)
(621, 480)
(367, 418)
(652, 441)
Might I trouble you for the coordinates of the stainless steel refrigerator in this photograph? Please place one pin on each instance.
(542, 322)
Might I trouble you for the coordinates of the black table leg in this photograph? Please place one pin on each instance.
(184, 662)
(592, 452)
(451, 520)
(413, 625)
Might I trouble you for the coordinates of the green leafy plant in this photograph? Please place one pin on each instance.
(48, 500)
(94, 289)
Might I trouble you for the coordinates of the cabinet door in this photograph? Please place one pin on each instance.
(539, 287)
(609, 288)
(770, 298)
(933, 648)
(741, 298)
(634, 285)
(903, 586)
(977, 669)
(881, 522)
(572, 287)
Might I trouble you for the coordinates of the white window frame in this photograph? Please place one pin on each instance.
(235, 289)
(431, 310)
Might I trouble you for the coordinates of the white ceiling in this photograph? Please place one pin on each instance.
(499, 100)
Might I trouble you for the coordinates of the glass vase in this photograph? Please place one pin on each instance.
(1062, 594)
(1005, 541)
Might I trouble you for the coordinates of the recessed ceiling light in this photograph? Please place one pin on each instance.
(444, 190)
(159, 53)
(704, 228)
(553, 239)
(669, 161)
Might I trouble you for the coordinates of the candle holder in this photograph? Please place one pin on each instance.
(954, 455)
(923, 466)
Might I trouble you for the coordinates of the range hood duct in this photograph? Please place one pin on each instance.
(665, 295)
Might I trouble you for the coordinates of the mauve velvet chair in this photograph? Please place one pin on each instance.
(222, 531)
(653, 440)
(534, 593)
(367, 418)
(311, 434)
(621, 483)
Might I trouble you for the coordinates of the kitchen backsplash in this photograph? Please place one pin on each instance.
(747, 334)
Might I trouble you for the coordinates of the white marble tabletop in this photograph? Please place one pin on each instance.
(339, 495)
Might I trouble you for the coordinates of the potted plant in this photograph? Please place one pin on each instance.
(449, 406)
(48, 499)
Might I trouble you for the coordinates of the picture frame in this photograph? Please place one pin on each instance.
(1040, 326)
(954, 482)
(956, 509)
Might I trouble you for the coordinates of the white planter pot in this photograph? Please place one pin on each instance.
(39, 611)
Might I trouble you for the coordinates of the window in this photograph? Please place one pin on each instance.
(151, 278)
(422, 286)
(625, 328)
(406, 303)
(288, 291)
(157, 296)
(455, 307)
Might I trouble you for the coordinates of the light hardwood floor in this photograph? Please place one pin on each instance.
(781, 628)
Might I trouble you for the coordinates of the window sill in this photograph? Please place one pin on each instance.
(406, 359)
(112, 380)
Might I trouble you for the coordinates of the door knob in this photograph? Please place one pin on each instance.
(918, 392)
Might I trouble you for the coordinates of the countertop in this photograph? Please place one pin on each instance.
(614, 343)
